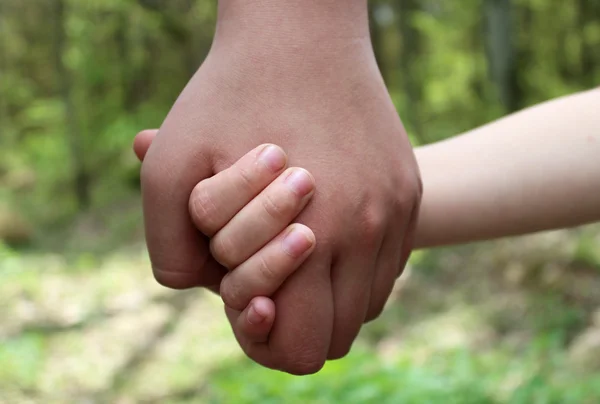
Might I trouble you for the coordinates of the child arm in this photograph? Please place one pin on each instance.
(537, 169)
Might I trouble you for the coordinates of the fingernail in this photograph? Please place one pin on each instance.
(273, 157)
(254, 317)
(296, 243)
(300, 181)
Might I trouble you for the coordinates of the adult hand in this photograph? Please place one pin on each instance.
(300, 74)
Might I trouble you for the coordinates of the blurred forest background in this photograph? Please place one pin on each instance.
(81, 320)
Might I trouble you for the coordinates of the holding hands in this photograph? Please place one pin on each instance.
(301, 74)
(246, 209)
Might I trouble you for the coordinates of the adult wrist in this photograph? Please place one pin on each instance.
(292, 23)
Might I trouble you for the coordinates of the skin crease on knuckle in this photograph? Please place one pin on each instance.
(268, 274)
(203, 210)
(222, 249)
(279, 206)
(233, 292)
(246, 179)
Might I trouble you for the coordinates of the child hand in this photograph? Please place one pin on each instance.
(246, 210)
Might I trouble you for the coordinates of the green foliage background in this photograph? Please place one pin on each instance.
(78, 79)
(81, 77)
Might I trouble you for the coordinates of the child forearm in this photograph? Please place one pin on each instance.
(535, 170)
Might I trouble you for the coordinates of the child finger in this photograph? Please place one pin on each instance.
(263, 218)
(216, 200)
(255, 322)
(264, 272)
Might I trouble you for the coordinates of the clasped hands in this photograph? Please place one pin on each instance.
(219, 197)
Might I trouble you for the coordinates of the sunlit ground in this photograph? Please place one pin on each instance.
(513, 321)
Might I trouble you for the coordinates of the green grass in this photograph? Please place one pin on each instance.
(587, 251)
(455, 376)
(91, 327)
(22, 359)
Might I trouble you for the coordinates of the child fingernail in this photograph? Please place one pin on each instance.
(254, 317)
(297, 242)
(273, 157)
(300, 181)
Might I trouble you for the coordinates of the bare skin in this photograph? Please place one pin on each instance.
(265, 249)
(310, 85)
(549, 184)
(539, 167)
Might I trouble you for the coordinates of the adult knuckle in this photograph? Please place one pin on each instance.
(404, 202)
(373, 223)
(413, 187)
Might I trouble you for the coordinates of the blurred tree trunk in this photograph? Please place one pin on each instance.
(589, 13)
(3, 65)
(411, 45)
(480, 81)
(173, 21)
(525, 50)
(126, 65)
(81, 177)
(501, 55)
